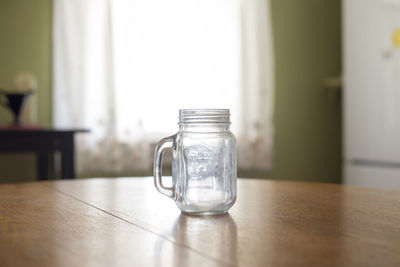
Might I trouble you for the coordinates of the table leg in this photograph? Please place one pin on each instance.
(42, 165)
(67, 157)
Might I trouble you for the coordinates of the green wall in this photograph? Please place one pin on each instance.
(307, 50)
(25, 46)
(307, 40)
(25, 34)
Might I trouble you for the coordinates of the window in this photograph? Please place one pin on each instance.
(123, 68)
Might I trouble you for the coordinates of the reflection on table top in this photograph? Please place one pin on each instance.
(125, 221)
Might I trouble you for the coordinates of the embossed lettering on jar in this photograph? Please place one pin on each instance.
(204, 162)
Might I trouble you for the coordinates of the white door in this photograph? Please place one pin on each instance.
(372, 80)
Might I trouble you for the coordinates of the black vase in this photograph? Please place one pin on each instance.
(15, 102)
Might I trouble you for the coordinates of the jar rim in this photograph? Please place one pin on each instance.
(204, 116)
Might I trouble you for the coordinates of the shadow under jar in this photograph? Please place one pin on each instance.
(204, 167)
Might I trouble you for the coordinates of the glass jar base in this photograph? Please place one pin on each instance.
(202, 213)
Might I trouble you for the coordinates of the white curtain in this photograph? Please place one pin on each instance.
(123, 69)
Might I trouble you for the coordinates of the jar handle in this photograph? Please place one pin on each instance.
(168, 142)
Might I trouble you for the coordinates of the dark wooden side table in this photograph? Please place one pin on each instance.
(44, 143)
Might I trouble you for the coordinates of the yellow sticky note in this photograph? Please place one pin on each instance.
(396, 38)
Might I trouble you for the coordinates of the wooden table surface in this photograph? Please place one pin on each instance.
(126, 222)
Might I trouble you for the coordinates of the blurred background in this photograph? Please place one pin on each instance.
(123, 69)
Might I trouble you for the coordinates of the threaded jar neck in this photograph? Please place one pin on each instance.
(204, 116)
(204, 120)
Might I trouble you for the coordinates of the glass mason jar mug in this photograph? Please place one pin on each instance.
(204, 162)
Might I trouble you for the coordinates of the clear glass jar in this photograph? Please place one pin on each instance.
(204, 162)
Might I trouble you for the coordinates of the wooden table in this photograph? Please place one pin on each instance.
(44, 143)
(126, 222)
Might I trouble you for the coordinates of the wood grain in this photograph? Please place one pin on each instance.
(42, 227)
(272, 223)
(127, 222)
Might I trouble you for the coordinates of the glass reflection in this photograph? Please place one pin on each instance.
(214, 237)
